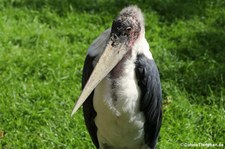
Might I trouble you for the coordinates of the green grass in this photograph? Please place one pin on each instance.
(43, 44)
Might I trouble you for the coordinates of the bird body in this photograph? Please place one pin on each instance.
(123, 111)
(117, 101)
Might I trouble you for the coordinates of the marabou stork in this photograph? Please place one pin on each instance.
(122, 97)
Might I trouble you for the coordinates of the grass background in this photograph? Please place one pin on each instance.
(43, 44)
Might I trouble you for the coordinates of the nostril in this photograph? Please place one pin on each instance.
(115, 36)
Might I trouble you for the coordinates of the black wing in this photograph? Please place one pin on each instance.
(151, 98)
(88, 109)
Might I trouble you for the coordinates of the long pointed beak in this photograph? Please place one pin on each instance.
(109, 59)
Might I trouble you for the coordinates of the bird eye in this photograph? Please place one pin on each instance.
(128, 29)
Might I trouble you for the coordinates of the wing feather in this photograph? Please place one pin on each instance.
(88, 109)
(151, 97)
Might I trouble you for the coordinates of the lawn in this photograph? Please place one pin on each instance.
(43, 44)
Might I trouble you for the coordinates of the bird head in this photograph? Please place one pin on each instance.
(128, 26)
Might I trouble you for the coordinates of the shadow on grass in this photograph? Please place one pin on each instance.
(168, 10)
(200, 57)
(207, 51)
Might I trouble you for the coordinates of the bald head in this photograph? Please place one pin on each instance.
(128, 25)
(133, 12)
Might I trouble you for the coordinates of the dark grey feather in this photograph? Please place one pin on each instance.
(151, 98)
